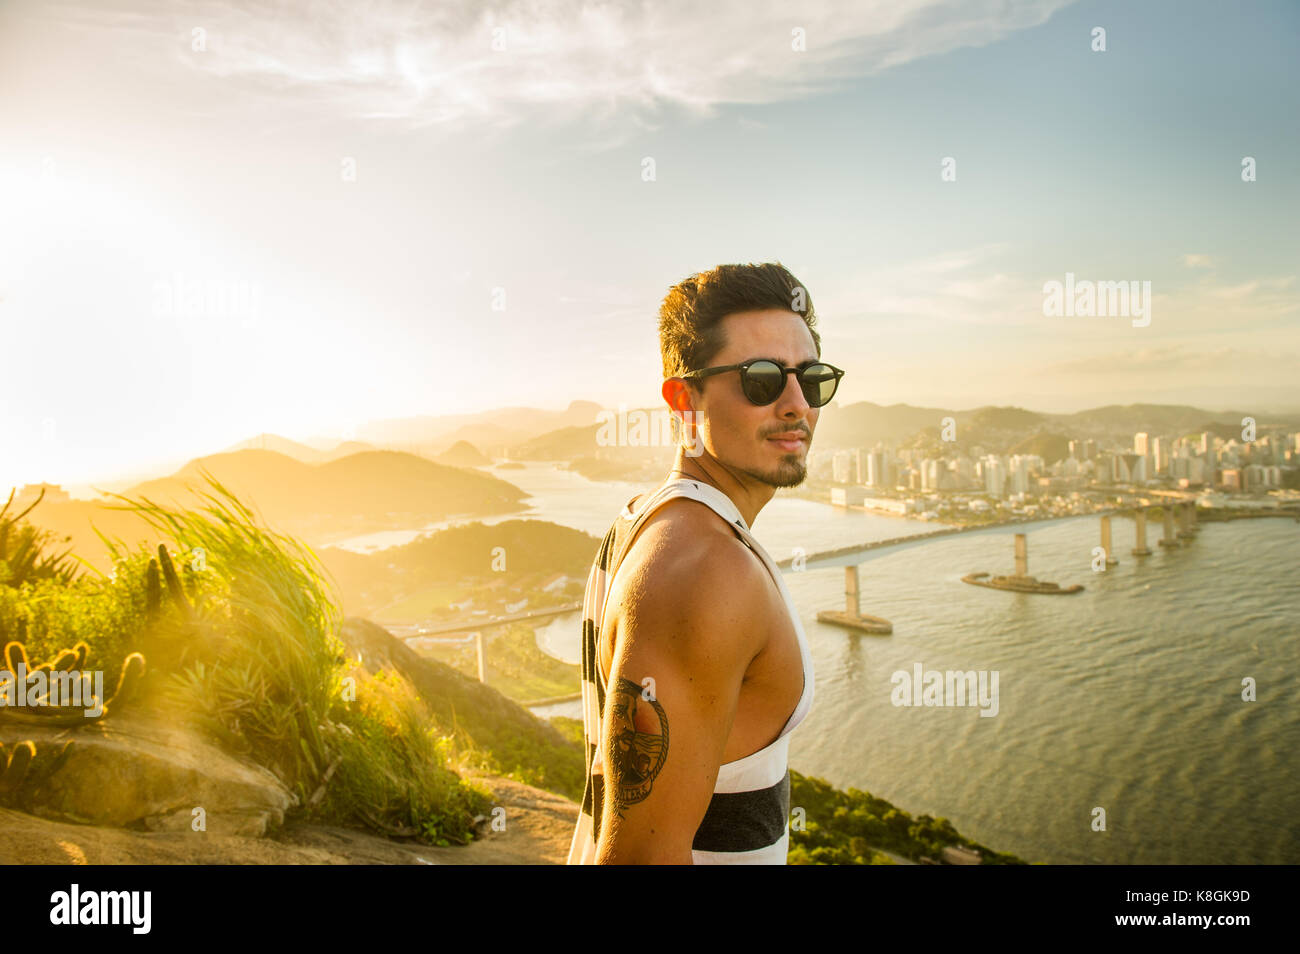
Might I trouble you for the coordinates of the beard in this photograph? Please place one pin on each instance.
(791, 472)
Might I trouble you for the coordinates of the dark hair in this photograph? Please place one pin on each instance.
(690, 318)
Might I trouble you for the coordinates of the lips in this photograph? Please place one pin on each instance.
(791, 441)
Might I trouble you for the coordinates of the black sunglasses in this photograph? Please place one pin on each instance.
(763, 380)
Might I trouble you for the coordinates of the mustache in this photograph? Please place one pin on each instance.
(790, 430)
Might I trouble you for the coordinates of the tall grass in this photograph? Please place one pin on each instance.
(268, 676)
(23, 556)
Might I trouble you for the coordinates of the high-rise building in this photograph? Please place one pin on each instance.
(932, 472)
(1160, 451)
(965, 473)
(1118, 471)
(1138, 469)
(879, 469)
(1018, 474)
(841, 464)
(995, 476)
(1256, 477)
(1140, 442)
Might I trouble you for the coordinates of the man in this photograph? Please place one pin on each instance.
(695, 664)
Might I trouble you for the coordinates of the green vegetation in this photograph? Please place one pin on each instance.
(571, 729)
(1050, 447)
(249, 640)
(491, 564)
(555, 765)
(46, 607)
(426, 603)
(503, 550)
(22, 559)
(515, 666)
(851, 828)
(393, 768)
(490, 732)
(61, 703)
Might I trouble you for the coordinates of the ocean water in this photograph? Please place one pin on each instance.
(1126, 697)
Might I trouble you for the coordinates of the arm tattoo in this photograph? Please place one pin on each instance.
(638, 744)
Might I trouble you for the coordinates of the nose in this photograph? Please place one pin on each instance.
(792, 399)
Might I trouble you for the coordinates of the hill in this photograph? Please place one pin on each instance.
(1050, 447)
(449, 560)
(383, 487)
(492, 429)
(863, 424)
(1000, 418)
(1004, 429)
(463, 454)
(565, 443)
(1152, 418)
(281, 445)
(360, 493)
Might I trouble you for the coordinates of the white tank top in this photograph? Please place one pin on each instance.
(748, 818)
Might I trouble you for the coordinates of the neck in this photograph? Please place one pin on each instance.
(749, 495)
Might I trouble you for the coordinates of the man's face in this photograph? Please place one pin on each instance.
(768, 443)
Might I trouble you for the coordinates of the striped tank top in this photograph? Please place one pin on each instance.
(748, 818)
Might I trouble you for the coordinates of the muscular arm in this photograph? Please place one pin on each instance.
(691, 626)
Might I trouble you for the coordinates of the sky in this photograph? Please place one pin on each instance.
(223, 219)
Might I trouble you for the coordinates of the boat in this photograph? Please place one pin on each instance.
(860, 622)
(1020, 584)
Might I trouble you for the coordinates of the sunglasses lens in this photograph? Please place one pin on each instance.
(819, 382)
(763, 382)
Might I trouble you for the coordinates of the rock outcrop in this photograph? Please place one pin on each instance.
(140, 770)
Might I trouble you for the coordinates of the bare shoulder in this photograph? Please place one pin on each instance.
(696, 587)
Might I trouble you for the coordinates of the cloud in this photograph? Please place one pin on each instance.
(1193, 260)
(436, 65)
(983, 288)
(1209, 305)
(962, 286)
(1221, 363)
(1234, 292)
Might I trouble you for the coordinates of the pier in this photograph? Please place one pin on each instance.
(1021, 581)
(1140, 547)
(1168, 539)
(852, 616)
(1105, 541)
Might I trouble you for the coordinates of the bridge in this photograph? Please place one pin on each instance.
(1180, 524)
(859, 553)
(488, 622)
